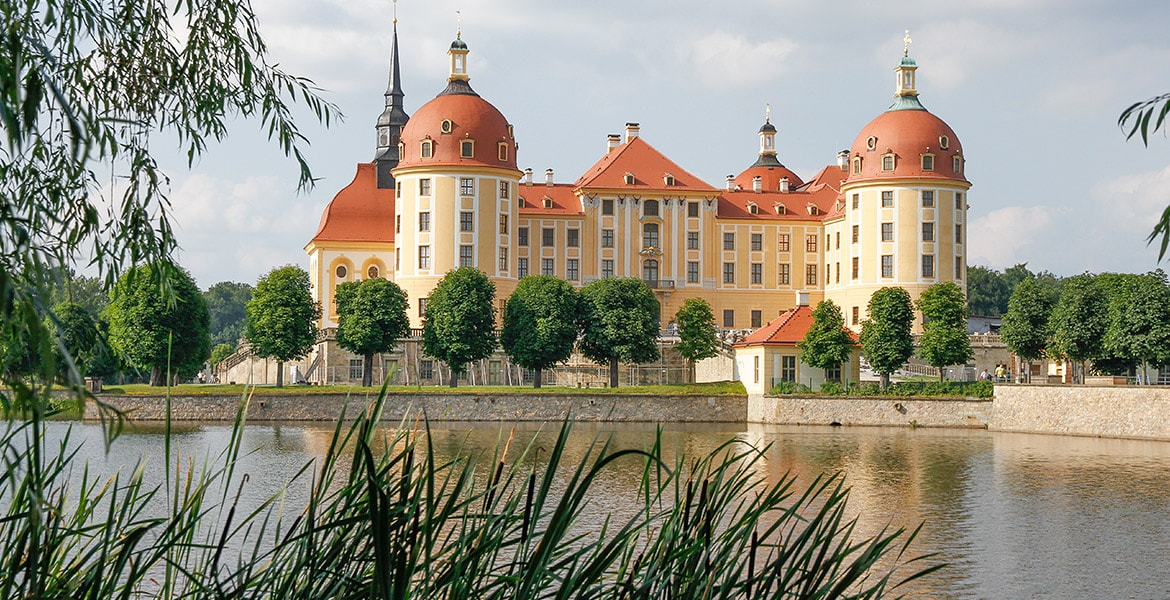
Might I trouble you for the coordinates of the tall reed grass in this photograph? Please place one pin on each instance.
(387, 518)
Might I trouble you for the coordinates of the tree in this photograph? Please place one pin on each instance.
(83, 340)
(87, 87)
(620, 323)
(1137, 119)
(944, 326)
(827, 343)
(226, 303)
(220, 352)
(698, 336)
(371, 318)
(1139, 319)
(282, 317)
(1025, 325)
(541, 323)
(885, 334)
(988, 290)
(1078, 321)
(459, 325)
(158, 320)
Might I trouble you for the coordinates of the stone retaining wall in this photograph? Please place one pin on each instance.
(1124, 412)
(885, 411)
(442, 407)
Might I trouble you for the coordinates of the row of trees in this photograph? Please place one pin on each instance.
(1115, 322)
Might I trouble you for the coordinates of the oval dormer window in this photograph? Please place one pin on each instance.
(447, 126)
(871, 143)
(342, 271)
(944, 142)
(372, 272)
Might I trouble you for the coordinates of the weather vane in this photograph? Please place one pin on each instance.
(767, 112)
(906, 51)
(395, 2)
(458, 24)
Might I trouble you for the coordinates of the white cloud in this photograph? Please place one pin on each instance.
(722, 59)
(1130, 204)
(1003, 237)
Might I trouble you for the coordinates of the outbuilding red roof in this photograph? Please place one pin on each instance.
(785, 330)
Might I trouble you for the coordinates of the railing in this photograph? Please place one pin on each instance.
(660, 284)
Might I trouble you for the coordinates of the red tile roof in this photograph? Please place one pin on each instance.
(564, 201)
(822, 193)
(360, 212)
(648, 166)
(786, 330)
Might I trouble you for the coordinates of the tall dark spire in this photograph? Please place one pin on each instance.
(392, 119)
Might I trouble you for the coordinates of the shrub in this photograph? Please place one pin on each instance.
(832, 388)
(790, 387)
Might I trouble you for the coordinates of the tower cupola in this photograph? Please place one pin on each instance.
(458, 54)
(905, 90)
(392, 120)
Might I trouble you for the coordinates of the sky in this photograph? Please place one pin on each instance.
(1032, 88)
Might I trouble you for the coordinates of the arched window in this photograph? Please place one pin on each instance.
(650, 208)
(428, 149)
(650, 272)
(650, 235)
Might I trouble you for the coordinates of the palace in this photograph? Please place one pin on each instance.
(444, 191)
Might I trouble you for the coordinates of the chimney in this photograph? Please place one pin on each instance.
(612, 141)
(730, 182)
(843, 159)
(631, 131)
(527, 176)
(757, 184)
(548, 177)
(783, 185)
(801, 298)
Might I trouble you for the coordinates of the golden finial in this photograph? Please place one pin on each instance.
(906, 51)
(458, 24)
(395, 2)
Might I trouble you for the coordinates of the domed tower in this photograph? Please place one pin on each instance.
(905, 203)
(455, 190)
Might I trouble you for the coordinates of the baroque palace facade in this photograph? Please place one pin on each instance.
(444, 191)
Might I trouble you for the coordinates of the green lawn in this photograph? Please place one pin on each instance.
(722, 388)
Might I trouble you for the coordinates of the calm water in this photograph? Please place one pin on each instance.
(1014, 515)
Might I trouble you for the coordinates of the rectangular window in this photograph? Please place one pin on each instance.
(424, 187)
(692, 209)
(466, 186)
(650, 208)
(958, 234)
(424, 221)
(833, 373)
(927, 162)
(837, 240)
(650, 235)
(466, 256)
(887, 199)
(837, 277)
(422, 307)
(958, 267)
(729, 241)
(788, 368)
(521, 267)
(757, 273)
(547, 236)
(928, 232)
(728, 272)
(607, 206)
(757, 241)
(426, 369)
(856, 233)
(505, 188)
(810, 243)
(784, 242)
(755, 369)
(607, 238)
(856, 267)
(856, 315)
(522, 236)
(757, 318)
(424, 257)
(692, 240)
(692, 272)
(397, 223)
(810, 274)
(784, 274)
(958, 201)
(928, 265)
(546, 266)
(503, 258)
(397, 189)
(574, 238)
(397, 258)
(887, 265)
(928, 199)
(355, 368)
(887, 232)
(728, 318)
(503, 224)
(856, 201)
(888, 162)
(606, 268)
(466, 221)
(467, 149)
(571, 269)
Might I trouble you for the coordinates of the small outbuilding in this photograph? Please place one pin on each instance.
(769, 355)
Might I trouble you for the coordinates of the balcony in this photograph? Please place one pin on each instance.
(660, 284)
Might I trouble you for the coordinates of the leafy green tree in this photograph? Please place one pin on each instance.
(220, 352)
(986, 291)
(620, 323)
(83, 340)
(1139, 319)
(1078, 321)
(827, 344)
(944, 326)
(226, 302)
(80, 290)
(158, 320)
(459, 325)
(1137, 119)
(698, 336)
(885, 334)
(87, 89)
(1025, 325)
(541, 322)
(371, 318)
(282, 317)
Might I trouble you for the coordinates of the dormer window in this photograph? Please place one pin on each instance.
(813, 210)
(467, 149)
(547, 202)
(427, 150)
(871, 143)
(753, 208)
(629, 179)
(668, 179)
(781, 209)
(888, 161)
(520, 202)
(857, 165)
(502, 151)
(927, 162)
(958, 163)
(446, 126)
(944, 142)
